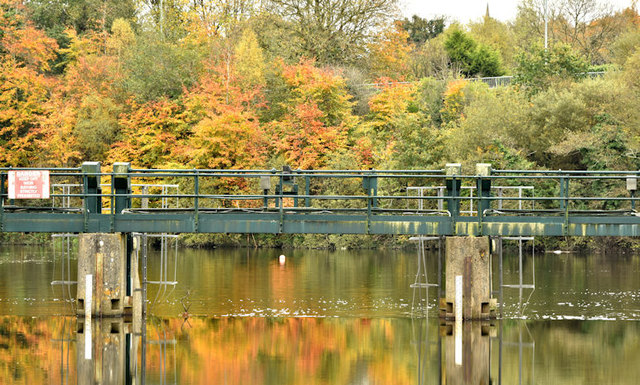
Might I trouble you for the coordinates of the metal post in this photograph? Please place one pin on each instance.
(196, 200)
(500, 349)
(369, 203)
(307, 191)
(374, 190)
(144, 201)
(632, 186)
(453, 191)
(562, 193)
(566, 206)
(143, 342)
(91, 183)
(484, 190)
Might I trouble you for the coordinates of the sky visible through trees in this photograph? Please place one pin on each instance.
(465, 11)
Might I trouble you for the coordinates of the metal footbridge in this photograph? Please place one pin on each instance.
(395, 202)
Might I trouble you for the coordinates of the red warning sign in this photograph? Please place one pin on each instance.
(28, 184)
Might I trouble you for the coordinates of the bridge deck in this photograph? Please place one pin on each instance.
(201, 205)
(293, 222)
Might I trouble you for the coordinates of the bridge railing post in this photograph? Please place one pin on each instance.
(307, 191)
(121, 186)
(632, 187)
(370, 186)
(564, 193)
(483, 170)
(453, 190)
(265, 186)
(91, 185)
(196, 200)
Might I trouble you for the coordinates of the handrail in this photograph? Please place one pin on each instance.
(206, 188)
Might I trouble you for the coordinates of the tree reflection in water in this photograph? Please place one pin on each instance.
(261, 350)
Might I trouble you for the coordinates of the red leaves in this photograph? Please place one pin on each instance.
(304, 140)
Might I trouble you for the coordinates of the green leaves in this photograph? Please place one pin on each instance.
(539, 68)
(474, 59)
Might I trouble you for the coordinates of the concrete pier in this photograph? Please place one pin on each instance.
(102, 261)
(468, 259)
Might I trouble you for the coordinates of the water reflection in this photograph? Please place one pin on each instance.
(325, 318)
(317, 350)
(104, 352)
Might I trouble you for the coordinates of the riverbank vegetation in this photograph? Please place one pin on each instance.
(345, 85)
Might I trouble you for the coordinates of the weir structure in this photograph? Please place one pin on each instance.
(318, 202)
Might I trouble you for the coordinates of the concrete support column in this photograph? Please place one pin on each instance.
(468, 258)
(103, 258)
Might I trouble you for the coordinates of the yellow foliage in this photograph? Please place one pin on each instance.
(122, 36)
(453, 100)
(249, 60)
(390, 53)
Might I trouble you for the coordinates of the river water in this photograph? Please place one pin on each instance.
(240, 316)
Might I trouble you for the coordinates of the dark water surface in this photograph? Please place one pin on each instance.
(323, 318)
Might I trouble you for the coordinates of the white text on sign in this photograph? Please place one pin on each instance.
(29, 184)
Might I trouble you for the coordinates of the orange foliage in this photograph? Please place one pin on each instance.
(152, 133)
(309, 83)
(392, 100)
(390, 52)
(226, 132)
(317, 117)
(304, 140)
(24, 52)
(21, 40)
(57, 143)
(453, 99)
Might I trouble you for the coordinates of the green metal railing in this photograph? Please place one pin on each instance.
(330, 201)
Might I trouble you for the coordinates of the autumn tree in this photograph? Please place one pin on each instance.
(222, 16)
(154, 68)
(389, 113)
(25, 53)
(333, 31)
(249, 61)
(151, 134)
(625, 46)
(226, 132)
(82, 16)
(389, 53)
(97, 126)
(317, 116)
(420, 30)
